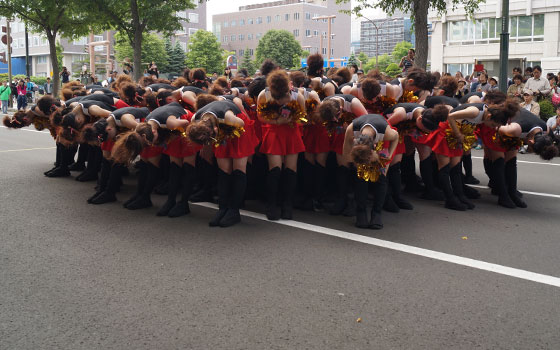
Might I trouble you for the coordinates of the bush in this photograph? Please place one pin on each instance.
(393, 70)
(36, 80)
(547, 109)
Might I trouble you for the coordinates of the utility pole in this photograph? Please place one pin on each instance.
(381, 23)
(9, 44)
(27, 67)
(329, 29)
(504, 46)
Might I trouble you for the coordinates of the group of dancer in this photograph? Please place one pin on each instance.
(341, 144)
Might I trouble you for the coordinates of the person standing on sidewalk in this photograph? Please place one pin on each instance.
(48, 87)
(21, 95)
(5, 92)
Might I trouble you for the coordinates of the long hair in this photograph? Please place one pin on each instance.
(130, 144)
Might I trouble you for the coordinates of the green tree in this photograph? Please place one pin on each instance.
(401, 50)
(53, 18)
(352, 60)
(205, 51)
(384, 61)
(59, 56)
(153, 49)
(248, 63)
(280, 46)
(363, 58)
(176, 59)
(418, 10)
(393, 69)
(169, 53)
(133, 18)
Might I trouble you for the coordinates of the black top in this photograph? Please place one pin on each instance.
(432, 101)
(155, 87)
(395, 82)
(138, 113)
(161, 114)
(99, 97)
(227, 97)
(325, 81)
(197, 91)
(528, 121)
(218, 109)
(378, 122)
(480, 107)
(466, 97)
(74, 99)
(408, 107)
(346, 84)
(88, 103)
(106, 91)
(241, 90)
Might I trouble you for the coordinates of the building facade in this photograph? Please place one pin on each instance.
(390, 31)
(193, 20)
(242, 30)
(458, 43)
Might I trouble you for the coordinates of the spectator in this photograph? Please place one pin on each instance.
(65, 75)
(127, 66)
(112, 77)
(528, 102)
(48, 87)
(461, 89)
(553, 80)
(458, 75)
(214, 76)
(30, 88)
(21, 95)
(407, 61)
(515, 90)
(227, 73)
(482, 85)
(537, 84)
(515, 72)
(153, 70)
(553, 123)
(528, 73)
(5, 92)
(354, 70)
(360, 74)
(493, 84)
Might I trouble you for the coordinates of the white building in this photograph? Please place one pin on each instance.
(457, 41)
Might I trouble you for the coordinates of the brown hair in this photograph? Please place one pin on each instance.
(222, 82)
(502, 113)
(145, 81)
(278, 83)
(342, 76)
(315, 65)
(375, 73)
(130, 144)
(236, 83)
(449, 85)
(204, 99)
(431, 117)
(361, 154)
(180, 82)
(328, 110)
(18, 121)
(198, 78)
(422, 79)
(268, 66)
(297, 78)
(187, 75)
(370, 88)
(127, 93)
(121, 80)
(216, 90)
(66, 94)
(200, 132)
(495, 97)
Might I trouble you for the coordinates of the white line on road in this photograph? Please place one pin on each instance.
(526, 161)
(26, 149)
(22, 129)
(525, 192)
(454, 259)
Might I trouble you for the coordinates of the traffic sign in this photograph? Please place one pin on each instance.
(5, 40)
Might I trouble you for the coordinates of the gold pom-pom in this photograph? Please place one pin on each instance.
(226, 132)
(271, 111)
(408, 96)
(381, 104)
(469, 138)
(371, 172)
(507, 142)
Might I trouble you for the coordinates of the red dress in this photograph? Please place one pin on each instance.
(179, 146)
(315, 138)
(438, 142)
(486, 134)
(242, 146)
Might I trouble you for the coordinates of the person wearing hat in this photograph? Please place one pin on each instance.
(461, 89)
(493, 84)
(528, 102)
(360, 74)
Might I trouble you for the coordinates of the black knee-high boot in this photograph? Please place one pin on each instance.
(394, 182)
(487, 162)
(511, 181)
(379, 193)
(237, 193)
(426, 171)
(456, 177)
(342, 173)
(164, 169)
(409, 178)
(112, 187)
(320, 175)
(66, 158)
(272, 186)
(103, 178)
(289, 183)
(80, 164)
(306, 175)
(173, 184)
(182, 207)
(467, 164)
(94, 157)
(58, 158)
(141, 181)
(144, 199)
(451, 201)
(224, 186)
(360, 195)
(499, 176)
(207, 181)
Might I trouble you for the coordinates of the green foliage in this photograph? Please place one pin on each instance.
(176, 60)
(352, 60)
(401, 50)
(153, 49)
(248, 63)
(59, 56)
(205, 51)
(363, 58)
(384, 61)
(547, 109)
(393, 70)
(36, 80)
(280, 46)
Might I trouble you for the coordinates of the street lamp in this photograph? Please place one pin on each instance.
(381, 23)
(329, 18)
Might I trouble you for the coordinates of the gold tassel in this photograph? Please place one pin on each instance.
(408, 96)
(226, 132)
(469, 138)
(269, 111)
(371, 172)
(507, 142)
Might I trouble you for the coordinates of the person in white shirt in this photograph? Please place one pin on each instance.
(539, 85)
(553, 123)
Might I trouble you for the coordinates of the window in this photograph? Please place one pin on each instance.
(268, 19)
(259, 35)
(249, 36)
(182, 14)
(241, 22)
(193, 17)
(307, 15)
(315, 32)
(42, 59)
(259, 20)
(98, 38)
(81, 41)
(226, 24)
(308, 32)
(277, 18)
(524, 26)
(241, 52)
(44, 41)
(332, 20)
(233, 23)
(324, 52)
(250, 52)
(35, 41)
(21, 42)
(315, 15)
(225, 38)
(287, 17)
(232, 37)
(183, 45)
(14, 28)
(192, 31)
(296, 32)
(250, 21)
(324, 35)
(296, 16)
(538, 25)
(241, 37)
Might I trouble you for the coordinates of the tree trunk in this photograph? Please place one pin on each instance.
(51, 37)
(421, 32)
(137, 45)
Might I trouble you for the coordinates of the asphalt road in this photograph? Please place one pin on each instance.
(78, 276)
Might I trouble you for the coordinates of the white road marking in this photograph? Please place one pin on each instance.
(525, 192)
(454, 259)
(26, 149)
(27, 129)
(528, 162)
